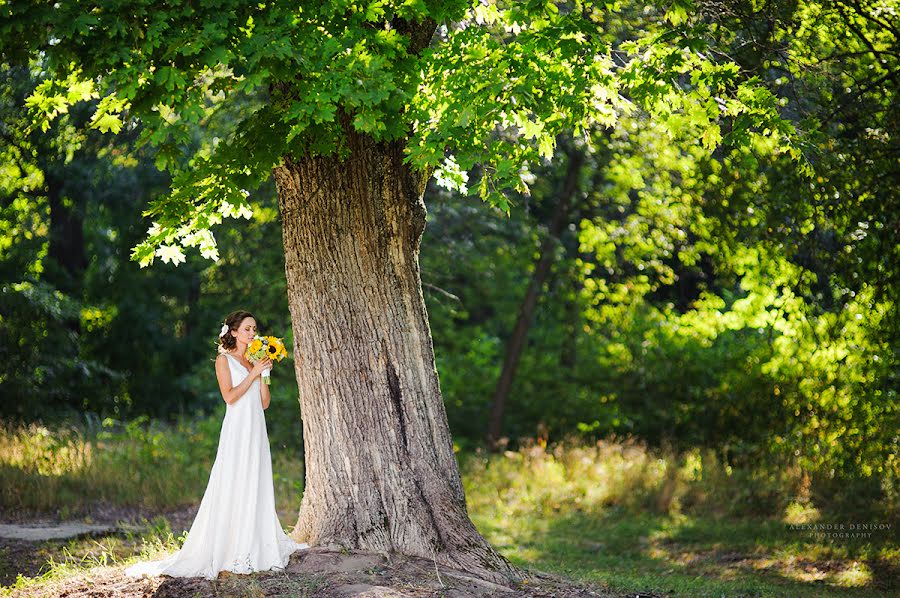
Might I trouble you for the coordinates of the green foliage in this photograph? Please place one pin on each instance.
(700, 322)
(41, 216)
(709, 294)
(501, 82)
(472, 262)
(107, 338)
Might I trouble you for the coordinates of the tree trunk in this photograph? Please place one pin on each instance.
(66, 240)
(381, 474)
(519, 335)
(568, 354)
(68, 259)
(571, 277)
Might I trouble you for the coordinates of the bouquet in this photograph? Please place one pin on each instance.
(266, 346)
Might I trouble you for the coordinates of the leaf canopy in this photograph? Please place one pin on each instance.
(464, 83)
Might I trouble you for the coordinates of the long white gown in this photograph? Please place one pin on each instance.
(236, 528)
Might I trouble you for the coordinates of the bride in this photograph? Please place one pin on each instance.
(236, 528)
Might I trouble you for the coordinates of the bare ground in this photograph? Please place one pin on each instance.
(29, 558)
(316, 572)
(319, 573)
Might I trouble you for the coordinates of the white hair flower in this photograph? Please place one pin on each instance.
(224, 330)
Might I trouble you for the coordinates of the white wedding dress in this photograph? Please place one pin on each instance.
(236, 528)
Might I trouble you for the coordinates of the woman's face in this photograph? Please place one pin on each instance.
(246, 331)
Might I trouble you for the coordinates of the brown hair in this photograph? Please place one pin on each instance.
(233, 320)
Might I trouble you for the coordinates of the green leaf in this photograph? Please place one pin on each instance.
(107, 123)
(711, 137)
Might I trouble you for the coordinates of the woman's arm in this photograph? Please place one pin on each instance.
(223, 373)
(264, 395)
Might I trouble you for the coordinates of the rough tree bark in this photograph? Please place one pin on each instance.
(381, 474)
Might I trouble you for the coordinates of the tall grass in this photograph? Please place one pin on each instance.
(637, 519)
(155, 465)
(590, 477)
(139, 463)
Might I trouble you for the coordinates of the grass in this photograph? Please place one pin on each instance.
(635, 520)
(614, 512)
(135, 463)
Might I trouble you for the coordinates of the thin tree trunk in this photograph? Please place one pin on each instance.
(381, 474)
(66, 240)
(568, 354)
(193, 299)
(68, 258)
(572, 309)
(523, 322)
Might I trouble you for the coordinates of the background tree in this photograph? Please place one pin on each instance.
(568, 194)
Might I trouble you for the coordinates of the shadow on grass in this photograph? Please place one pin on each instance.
(687, 556)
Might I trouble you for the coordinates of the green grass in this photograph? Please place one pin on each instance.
(135, 463)
(63, 559)
(632, 520)
(613, 513)
(688, 556)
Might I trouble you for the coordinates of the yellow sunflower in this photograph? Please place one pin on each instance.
(276, 349)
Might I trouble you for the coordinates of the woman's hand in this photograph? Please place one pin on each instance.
(259, 366)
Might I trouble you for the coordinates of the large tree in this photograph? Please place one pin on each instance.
(355, 104)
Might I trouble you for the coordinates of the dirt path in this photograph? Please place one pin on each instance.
(47, 530)
(29, 541)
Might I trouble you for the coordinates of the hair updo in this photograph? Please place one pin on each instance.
(227, 342)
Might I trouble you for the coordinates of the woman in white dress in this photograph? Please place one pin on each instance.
(236, 528)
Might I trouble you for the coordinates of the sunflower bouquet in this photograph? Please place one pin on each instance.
(266, 346)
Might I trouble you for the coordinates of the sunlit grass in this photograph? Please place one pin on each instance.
(613, 512)
(139, 463)
(797, 513)
(632, 519)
